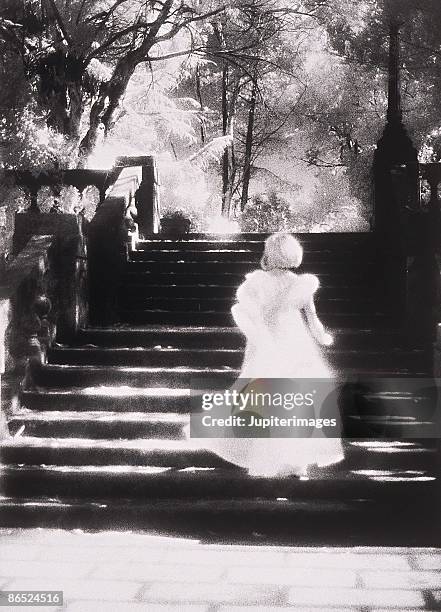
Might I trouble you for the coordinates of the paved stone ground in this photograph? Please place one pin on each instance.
(125, 572)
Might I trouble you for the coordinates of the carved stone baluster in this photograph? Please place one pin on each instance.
(57, 205)
(33, 194)
(79, 209)
(102, 197)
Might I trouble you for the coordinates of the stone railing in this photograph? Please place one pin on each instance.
(147, 198)
(112, 232)
(131, 209)
(28, 316)
(129, 198)
(32, 182)
(64, 272)
(69, 263)
(43, 294)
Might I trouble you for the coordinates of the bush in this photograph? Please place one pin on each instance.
(28, 144)
(183, 188)
(12, 199)
(270, 214)
(335, 208)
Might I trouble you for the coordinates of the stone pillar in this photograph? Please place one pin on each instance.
(145, 200)
(395, 169)
(147, 195)
(437, 353)
(106, 257)
(396, 185)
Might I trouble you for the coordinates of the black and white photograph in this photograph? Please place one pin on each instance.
(220, 305)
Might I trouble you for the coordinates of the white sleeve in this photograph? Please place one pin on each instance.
(306, 286)
(315, 325)
(247, 311)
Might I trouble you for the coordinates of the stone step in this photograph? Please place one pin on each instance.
(230, 255)
(265, 522)
(84, 376)
(118, 398)
(325, 238)
(149, 336)
(199, 245)
(219, 253)
(136, 356)
(210, 290)
(139, 482)
(129, 425)
(342, 306)
(251, 246)
(248, 246)
(133, 273)
(407, 400)
(100, 425)
(349, 266)
(25, 450)
(166, 316)
(388, 426)
(169, 357)
(221, 378)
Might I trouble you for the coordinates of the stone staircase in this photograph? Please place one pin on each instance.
(100, 432)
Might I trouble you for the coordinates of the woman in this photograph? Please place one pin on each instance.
(271, 308)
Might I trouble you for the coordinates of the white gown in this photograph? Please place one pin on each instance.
(280, 344)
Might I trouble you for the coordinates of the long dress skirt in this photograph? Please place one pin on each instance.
(279, 345)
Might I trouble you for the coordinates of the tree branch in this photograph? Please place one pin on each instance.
(60, 23)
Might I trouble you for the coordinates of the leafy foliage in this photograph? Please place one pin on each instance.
(266, 105)
(29, 144)
(269, 214)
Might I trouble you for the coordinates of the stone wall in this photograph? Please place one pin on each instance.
(43, 295)
(28, 315)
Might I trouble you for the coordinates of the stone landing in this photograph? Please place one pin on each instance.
(128, 572)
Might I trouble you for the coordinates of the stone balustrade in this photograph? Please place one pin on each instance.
(147, 198)
(110, 234)
(64, 272)
(32, 182)
(28, 316)
(43, 293)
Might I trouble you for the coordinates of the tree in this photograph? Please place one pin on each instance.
(346, 119)
(79, 56)
(256, 50)
(363, 45)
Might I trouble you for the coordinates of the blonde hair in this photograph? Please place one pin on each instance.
(282, 251)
